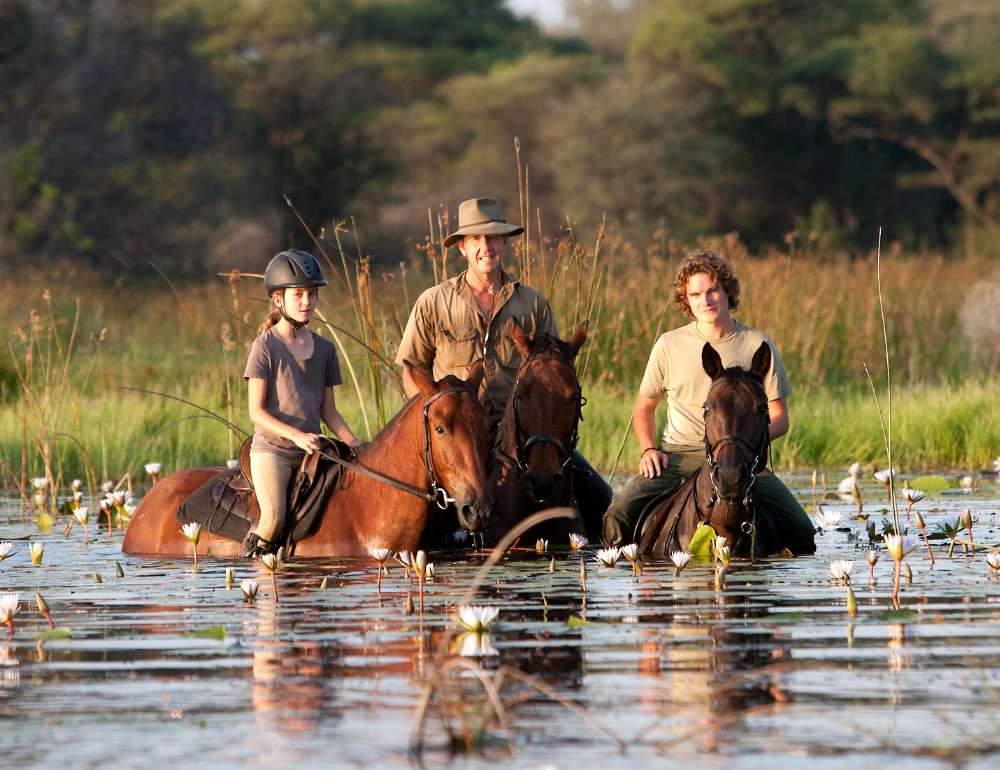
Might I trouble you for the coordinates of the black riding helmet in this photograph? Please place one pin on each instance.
(293, 269)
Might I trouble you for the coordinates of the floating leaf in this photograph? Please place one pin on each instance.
(701, 545)
(783, 617)
(216, 632)
(573, 621)
(55, 633)
(929, 483)
(898, 616)
(44, 522)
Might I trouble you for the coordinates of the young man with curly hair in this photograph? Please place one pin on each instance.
(707, 290)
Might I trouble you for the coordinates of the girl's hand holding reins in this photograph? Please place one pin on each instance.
(653, 460)
(308, 441)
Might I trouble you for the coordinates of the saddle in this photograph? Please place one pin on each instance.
(226, 505)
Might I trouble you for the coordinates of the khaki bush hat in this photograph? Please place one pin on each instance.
(481, 216)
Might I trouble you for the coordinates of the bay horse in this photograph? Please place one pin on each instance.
(722, 492)
(532, 466)
(437, 444)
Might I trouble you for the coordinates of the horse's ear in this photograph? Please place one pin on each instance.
(578, 338)
(476, 373)
(521, 340)
(424, 383)
(761, 364)
(711, 361)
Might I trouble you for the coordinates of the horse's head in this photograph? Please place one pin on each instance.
(541, 421)
(455, 439)
(736, 422)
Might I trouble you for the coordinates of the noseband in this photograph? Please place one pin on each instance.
(521, 446)
(747, 450)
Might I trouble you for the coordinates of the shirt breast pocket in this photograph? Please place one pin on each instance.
(458, 348)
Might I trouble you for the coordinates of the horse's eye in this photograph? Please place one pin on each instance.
(440, 430)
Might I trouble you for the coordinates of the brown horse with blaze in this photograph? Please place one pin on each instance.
(446, 449)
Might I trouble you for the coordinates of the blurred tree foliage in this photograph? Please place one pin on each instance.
(172, 128)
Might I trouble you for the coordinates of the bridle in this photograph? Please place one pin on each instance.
(438, 493)
(747, 450)
(521, 446)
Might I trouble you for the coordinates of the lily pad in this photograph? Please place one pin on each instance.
(929, 483)
(216, 632)
(700, 546)
(783, 617)
(55, 633)
(573, 621)
(899, 616)
(44, 522)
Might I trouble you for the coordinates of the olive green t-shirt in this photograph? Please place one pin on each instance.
(675, 369)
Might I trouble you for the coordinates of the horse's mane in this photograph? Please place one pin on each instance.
(541, 344)
(736, 374)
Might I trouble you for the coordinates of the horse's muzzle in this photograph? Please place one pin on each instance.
(473, 516)
(545, 488)
(732, 480)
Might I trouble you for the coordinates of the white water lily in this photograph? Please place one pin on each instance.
(40, 483)
(232, 464)
(270, 561)
(912, 495)
(841, 569)
(473, 645)
(380, 554)
(249, 588)
(872, 557)
(855, 469)
(5, 549)
(404, 558)
(882, 477)
(577, 542)
(153, 468)
(541, 545)
(108, 486)
(993, 561)
(828, 519)
(722, 554)
(429, 572)
(848, 484)
(967, 482)
(77, 484)
(118, 498)
(230, 576)
(129, 512)
(37, 550)
(608, 557)
(899, 545)
(77, 498)
(192, 532)
(82, 514)
(680, 560)
(631, 552)
(39, 499)
(476, 618)
(10, 605)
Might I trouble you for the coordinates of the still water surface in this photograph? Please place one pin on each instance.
(770, 670)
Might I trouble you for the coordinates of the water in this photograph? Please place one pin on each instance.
(770, 670)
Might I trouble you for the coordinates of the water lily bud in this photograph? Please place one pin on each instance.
(920, 519)
(552, 564)
(421, 562)
(322, 586)
(409, 605)
(908, 573)
(119, 571)
(852, 603)
(583, 574)
(43, 607)
(230, 576)
(97, 577)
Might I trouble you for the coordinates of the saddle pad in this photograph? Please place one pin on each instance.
(222, 505)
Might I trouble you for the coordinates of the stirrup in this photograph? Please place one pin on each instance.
(255, 546)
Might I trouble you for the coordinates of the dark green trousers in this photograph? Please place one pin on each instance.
(623, 514)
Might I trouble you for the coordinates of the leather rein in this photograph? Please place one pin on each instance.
(438, 493)
(521, 446)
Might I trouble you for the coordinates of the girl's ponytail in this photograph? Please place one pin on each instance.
(271, 318)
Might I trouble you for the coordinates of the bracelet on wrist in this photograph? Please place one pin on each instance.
(647, 449)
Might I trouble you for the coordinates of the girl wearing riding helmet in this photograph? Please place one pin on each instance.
(291, 374)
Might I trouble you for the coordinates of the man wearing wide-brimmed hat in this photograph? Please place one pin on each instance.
(469, 317)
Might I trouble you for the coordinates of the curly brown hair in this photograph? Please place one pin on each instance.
(708, 262)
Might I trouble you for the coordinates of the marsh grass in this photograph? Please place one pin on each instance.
(821, 310)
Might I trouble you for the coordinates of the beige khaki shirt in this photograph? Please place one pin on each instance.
(675, 369)
(447, 331)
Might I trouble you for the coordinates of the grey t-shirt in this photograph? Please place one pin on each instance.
(294, 392)
(675, 370)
